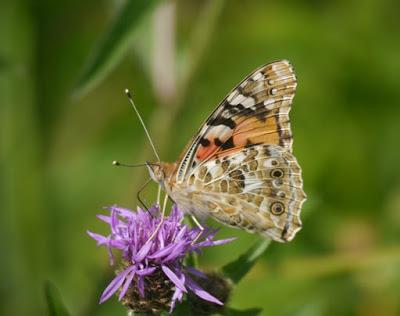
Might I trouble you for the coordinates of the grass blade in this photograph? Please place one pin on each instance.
(113, 45)
(53, 300)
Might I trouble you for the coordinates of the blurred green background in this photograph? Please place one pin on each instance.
(64, 118)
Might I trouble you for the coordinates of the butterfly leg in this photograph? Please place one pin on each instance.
(158, 195)
(199, 226)
(140, 199)
(172, 201)
(164, 206)
(162, 219)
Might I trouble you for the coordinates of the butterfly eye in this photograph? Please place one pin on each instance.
(277, 173)
(277, 208)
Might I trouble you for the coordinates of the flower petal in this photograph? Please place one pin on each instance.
(115, 284)
(101, 240)
(181, 233)
(210, 243)
(174, 278)
(176, 215)
(126, 285)
(162, 252)
(196, 272)
(140, 286)
(146, 271)
(178, 251)
(114, 221)
(154, 210)
(104, 218)
(110, 256)
(196, 289)
(124, 212)
(178, 295)
(118, 244)
(143, 251)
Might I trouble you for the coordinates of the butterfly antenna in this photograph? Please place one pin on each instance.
(142, 122)
(119, 164)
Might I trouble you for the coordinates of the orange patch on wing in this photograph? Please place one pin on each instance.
(203, 152)
(249, 131)
(271, 138)
(255, 131)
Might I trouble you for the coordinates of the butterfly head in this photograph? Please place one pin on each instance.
(161, 172)
(156, 172)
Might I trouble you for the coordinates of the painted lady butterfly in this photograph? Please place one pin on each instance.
(239, 168)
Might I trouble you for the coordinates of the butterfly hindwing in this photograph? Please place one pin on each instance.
(255, 112)
(258, 189)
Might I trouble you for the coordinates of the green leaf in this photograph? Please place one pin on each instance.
(113, 45)
(53, 300)
(247, 312)
(181, 309)
(238, 268)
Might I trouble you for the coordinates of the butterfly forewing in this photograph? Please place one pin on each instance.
(255, 112)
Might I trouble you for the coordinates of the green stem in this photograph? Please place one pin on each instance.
(237, 269)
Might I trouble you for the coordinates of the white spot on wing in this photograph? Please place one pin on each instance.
(248, 102)
(231, 96)
(284, 110)
(215, 170)
(222, 132)
(257, 76)
(279, 70)
(271, 163)
(269, 101)
(238, 99)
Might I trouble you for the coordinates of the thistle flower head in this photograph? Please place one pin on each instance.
(154, 249)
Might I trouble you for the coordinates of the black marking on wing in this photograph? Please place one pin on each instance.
(220, 120)
(240, 109)
(232, 109)
(267, 151)
(204, 142)
(283, 134)
(285, 231)
(250, 144)
(261, 112)
(225, 145)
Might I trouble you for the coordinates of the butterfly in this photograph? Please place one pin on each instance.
(239, 168)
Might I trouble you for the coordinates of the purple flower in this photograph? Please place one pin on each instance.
(149, 246)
